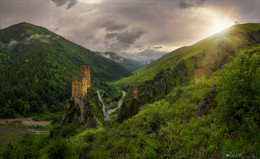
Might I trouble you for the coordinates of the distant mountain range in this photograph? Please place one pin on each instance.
(129, 64)
(147, 62)
(37, 67)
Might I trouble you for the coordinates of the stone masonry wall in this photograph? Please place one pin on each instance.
(82, 83)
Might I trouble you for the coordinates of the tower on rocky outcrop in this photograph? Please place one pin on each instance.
(81, 84)
(135, 93)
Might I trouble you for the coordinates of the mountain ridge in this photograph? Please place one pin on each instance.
(196, 62)
(227, 41)
(45, 62)
(177, 113)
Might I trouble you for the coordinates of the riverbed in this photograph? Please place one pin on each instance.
(103, 106)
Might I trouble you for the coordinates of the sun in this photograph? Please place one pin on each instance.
(220, 23)
(218, 27)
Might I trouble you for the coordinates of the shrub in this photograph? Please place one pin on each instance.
(68, 130)
(238, 97)
(58, 149)
(27, 147)
(156, 121)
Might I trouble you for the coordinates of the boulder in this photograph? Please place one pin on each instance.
(207, 102)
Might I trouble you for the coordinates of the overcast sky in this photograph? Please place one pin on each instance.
(138, 29)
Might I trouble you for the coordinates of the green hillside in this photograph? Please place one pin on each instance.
(164, 57)
(207, 118)
(227, 125)
(37, 67)
(202, 58)
(198, 61)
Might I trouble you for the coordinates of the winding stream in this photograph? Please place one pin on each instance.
(103, 106)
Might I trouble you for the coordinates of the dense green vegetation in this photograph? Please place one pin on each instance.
(55, 118)
(164, 122)
(202, 58)
(168, 128)
(109, 93)
(37, 67)
(156, 80)
(42, 146)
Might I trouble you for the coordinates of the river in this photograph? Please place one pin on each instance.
(20, 131)
(103, 106)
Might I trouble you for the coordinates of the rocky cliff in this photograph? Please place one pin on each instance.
(85, 110)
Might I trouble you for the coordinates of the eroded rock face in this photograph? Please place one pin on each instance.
(207, 102)
(85, 110)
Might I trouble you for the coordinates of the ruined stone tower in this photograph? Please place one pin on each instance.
(135, 93)
(82, 83)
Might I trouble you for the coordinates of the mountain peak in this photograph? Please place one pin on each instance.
(22, 30)
(37, 68)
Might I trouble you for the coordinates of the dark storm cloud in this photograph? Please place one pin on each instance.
(129, 37)
(69, 3)
(110, 35)
(107, 25)
(116, 27)
(111, 25)
(124, 38)
(190, 3)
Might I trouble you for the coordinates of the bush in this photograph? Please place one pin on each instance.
(27, 147)
(58, 149)
(156, 121)
(238, 96)
(68, 130)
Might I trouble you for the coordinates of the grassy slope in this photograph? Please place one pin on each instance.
(36, 72)
(164, 57)
(208, 54)
(168, 128)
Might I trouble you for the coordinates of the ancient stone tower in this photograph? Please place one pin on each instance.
(135, 93)
(82, 83)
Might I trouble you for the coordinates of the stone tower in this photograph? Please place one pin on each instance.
(82, 83)
(135, 93)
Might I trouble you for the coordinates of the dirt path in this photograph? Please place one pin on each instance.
(24, 121)
(120, 102)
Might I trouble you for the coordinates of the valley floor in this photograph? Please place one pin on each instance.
(24, 121)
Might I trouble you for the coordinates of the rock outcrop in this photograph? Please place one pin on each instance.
(207, 102)
(86, 110)
(130, 105)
